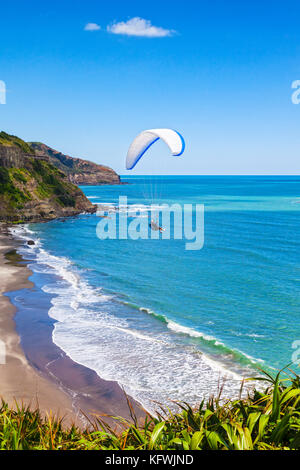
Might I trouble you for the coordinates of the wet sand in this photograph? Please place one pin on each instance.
(44, 374)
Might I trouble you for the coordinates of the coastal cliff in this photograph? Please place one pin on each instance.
(31, 188)
(79, 171)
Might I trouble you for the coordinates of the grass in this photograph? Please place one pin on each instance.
(266, 420)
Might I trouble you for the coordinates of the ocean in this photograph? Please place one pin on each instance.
(165, 322)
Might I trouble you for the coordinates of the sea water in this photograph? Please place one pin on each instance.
(167, 323)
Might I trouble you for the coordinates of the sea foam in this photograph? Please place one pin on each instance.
(151, 367)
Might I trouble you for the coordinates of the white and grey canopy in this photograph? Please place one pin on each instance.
(147, 138)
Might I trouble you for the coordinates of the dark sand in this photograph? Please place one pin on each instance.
(38, 371)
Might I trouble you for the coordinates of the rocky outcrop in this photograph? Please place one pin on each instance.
(32, 189)
(79, 171)
(11, 156)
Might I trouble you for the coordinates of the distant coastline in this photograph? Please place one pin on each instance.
(38, 183)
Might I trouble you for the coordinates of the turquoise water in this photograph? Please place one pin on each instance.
(165, 322)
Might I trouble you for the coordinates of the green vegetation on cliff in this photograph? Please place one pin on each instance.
(9, 190)
(32, 189)
(51, 182)
(11, 140)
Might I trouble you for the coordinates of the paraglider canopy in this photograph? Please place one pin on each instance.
(147, 138)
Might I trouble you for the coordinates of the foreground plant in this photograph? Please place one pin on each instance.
(264, 420)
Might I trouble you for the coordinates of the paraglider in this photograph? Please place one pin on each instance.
(147, 138)
(144, 141)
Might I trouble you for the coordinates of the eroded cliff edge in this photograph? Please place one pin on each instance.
(32, 189)
(79, 171)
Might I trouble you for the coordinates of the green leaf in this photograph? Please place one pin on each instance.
(252, 419)
(196, 439)
(246, 439)
(138, 435)
(155, 434)
(262, 423)
(281, 429)
(289, 394)
(214, 439)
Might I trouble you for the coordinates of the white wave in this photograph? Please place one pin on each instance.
(22, 232)
(113, 204)
(150, 367)
(189, 331)
(252, 359)
(248, 335)
(138, 335)
(225, 372)
(146, 310)
(254, 335)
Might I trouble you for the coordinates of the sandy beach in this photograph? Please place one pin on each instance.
(47, 377)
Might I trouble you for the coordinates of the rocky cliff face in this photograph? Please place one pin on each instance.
(32, 189)
(78, 171)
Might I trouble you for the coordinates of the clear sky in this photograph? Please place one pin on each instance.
(86, 76)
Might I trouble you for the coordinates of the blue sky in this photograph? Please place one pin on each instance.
(220, 72)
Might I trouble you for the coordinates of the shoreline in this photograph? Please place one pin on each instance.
(44, 375)
(47, 357)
